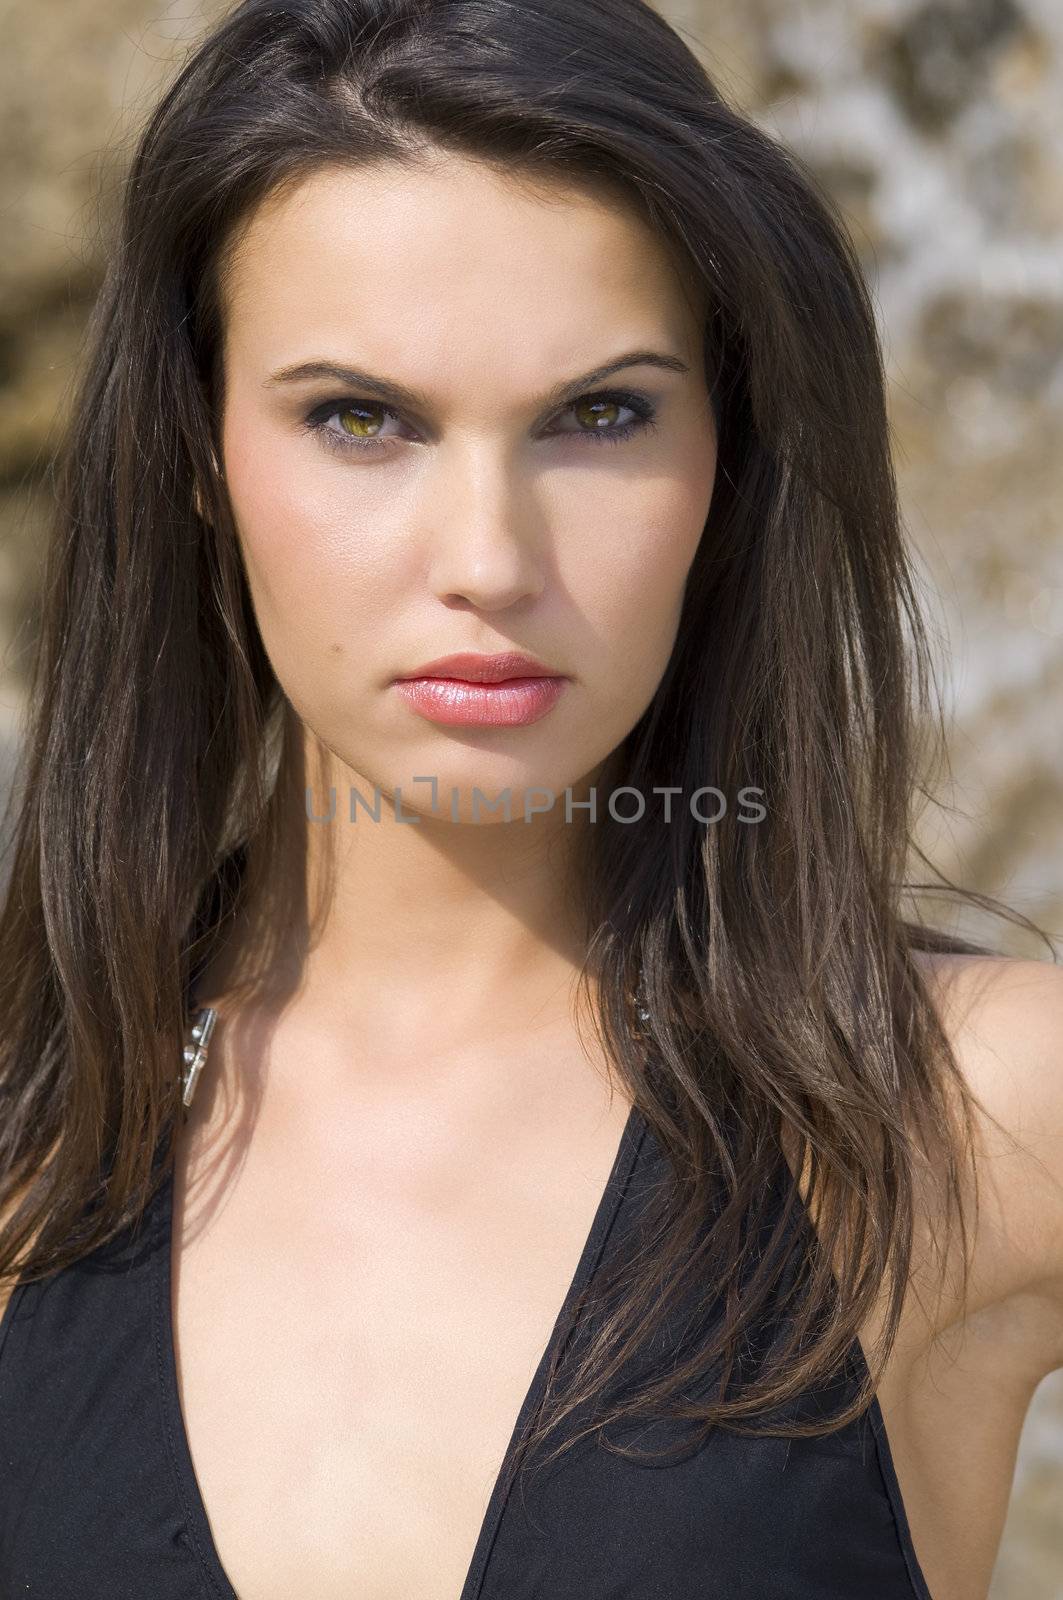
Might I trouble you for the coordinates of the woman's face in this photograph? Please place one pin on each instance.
(483, 509)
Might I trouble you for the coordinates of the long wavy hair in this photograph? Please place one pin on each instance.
(778, 985)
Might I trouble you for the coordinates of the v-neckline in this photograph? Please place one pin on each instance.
(192, 1506)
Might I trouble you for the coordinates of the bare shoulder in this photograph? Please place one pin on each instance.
(1004, 1021)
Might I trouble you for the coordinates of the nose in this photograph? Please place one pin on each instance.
(485, 540)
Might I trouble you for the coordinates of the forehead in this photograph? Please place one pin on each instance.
(448, 261)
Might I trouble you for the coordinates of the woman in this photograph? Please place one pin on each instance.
(528, 820)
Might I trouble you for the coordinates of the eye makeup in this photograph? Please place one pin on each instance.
(341, 440)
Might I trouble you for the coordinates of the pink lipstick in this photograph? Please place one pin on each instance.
(510, 690)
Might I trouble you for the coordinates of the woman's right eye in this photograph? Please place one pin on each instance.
(357, 427)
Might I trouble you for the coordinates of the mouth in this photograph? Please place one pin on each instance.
(511, 690)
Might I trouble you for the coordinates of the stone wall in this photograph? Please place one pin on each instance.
(938, 125)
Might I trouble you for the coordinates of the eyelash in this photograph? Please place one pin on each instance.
(643, 408)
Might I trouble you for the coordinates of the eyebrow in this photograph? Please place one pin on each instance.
(400, 395)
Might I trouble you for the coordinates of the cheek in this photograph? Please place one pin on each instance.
(315, 569)
(630, 572)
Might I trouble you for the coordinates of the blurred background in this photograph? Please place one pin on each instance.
(938, 126)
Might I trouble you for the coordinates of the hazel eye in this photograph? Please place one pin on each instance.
(353, 421)
(353, 424)
(598, 413)
(598, 416)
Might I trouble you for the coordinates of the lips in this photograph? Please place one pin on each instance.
(466, 690)
(468, 667)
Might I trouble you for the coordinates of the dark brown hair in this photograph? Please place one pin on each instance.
(777, 959)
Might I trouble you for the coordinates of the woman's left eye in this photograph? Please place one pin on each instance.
(358, 427)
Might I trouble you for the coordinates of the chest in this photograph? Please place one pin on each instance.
(347, 1442)
(350, 1376)
(349, 1388)
(367, 1464)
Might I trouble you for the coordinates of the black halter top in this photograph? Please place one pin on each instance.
(99, 1499)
